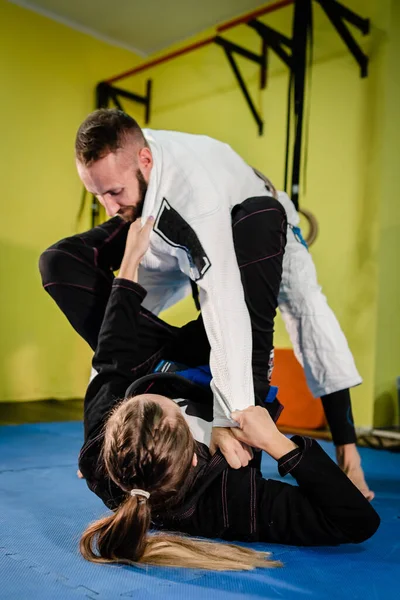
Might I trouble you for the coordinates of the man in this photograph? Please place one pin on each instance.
(218, 225)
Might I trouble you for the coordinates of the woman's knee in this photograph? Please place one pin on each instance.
(58, 258)
(259, 230)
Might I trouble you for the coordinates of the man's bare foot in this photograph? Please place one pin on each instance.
(348, 459)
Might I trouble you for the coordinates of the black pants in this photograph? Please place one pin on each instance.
(78, 273)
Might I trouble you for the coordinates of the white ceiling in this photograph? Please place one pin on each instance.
(143, 26)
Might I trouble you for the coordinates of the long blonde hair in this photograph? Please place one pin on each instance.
(147, 449)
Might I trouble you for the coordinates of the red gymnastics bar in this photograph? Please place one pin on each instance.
(186, 49)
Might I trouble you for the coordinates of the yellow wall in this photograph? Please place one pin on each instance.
(346, 176)
(387, 367)
(48, 73)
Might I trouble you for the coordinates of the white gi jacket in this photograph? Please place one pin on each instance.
(194, 184)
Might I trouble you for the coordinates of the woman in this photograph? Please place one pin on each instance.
(147, 456)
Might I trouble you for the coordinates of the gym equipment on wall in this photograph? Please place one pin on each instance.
(295, 52)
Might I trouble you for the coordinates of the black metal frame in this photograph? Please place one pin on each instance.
(337, 13)
(106, 93)
(293, 52)
(231, 48)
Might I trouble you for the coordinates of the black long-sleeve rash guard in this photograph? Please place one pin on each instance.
(324, 509)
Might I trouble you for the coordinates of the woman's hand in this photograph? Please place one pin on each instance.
(137, 243)
(257, 429)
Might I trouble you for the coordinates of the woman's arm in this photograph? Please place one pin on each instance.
(117, 348)
(325, 509)
(118, 343)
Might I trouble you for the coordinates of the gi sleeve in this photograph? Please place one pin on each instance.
(325, 509)
(206, 241)
(117, 346)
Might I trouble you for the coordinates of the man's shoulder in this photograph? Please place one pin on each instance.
(165, 136)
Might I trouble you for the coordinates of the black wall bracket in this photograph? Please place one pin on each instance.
(338, 14)
(283, 46)
(106, 92)
(230, 48)
(274, 40)
(293, 52)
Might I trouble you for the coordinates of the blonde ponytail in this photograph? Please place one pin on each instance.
(123, 538)
(146, 449)
(120, 537)
(164, 549)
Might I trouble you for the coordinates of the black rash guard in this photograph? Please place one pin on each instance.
(324, 509)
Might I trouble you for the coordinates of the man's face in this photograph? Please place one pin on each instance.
(119, 180)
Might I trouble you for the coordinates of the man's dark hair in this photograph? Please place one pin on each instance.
(105, 130)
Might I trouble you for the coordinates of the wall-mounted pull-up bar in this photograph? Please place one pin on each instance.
(206, 42)
(292, 51)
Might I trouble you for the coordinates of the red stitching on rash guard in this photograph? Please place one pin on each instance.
(113, 234)
(85, 262)
(124, 287)
(153, 357)
(252, 262)
(295, 465)
(84, 287)
(154, 321)
(291, 458)
(256, 213)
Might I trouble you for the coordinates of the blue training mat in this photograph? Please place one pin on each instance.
(44, 507)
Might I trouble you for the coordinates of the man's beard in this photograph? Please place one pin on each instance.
(131, 213)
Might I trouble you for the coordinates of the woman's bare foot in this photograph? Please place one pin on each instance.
(348, 459)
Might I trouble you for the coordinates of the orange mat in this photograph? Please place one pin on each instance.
(301, 409)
